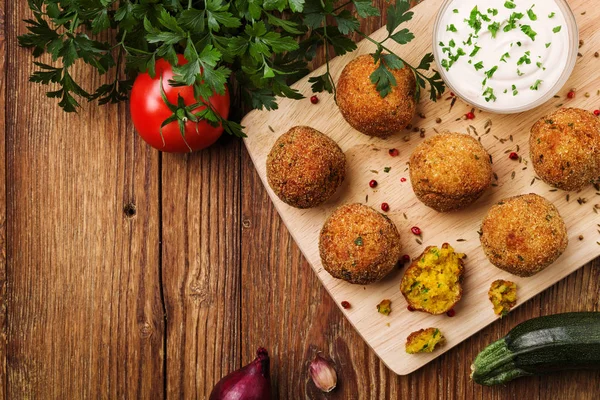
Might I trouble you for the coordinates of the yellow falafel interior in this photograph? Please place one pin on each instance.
(503, 295)
(432, 282)
(424, 341)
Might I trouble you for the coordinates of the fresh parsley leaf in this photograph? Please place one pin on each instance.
(526, 29)
(494, 28)
(536, 85)
(478, 66)
(451, 28)
(510, 5)
(557, 29)
(532, 16)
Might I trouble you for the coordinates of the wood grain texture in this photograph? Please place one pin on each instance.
(85, 318)
(201, 275)
(3, 289)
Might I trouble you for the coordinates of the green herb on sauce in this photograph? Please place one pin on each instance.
(536, 85)
(526, 29)
(557, 29)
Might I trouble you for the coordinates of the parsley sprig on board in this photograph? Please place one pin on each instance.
(265, 45)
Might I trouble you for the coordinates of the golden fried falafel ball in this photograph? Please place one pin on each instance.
(450, 171)
(523, 234)
(363, 107)
(305, 167)
(358, 244)
(565, 148)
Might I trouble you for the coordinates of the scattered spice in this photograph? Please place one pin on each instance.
(345, 305)
(411, 308)
(416, 230)
(451, 313)
(314, 99)
(373, 184)
(406, 258)
(596, 54)
(402, 179)
(394, 152)
(385, 307)
(271, 129)
(470, 115)
(438, 120)
(580, 237)
(513, 156)
(596, 112)
(387, 170)
(385, 207)
(571, 94)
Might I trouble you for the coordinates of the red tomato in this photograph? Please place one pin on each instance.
(148, 111)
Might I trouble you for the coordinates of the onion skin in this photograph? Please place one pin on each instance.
(251, 382)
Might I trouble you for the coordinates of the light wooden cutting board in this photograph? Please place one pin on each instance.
(386, 335)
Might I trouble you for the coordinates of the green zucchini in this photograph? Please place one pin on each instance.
(540, 345)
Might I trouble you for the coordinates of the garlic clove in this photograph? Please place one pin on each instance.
(323, 374)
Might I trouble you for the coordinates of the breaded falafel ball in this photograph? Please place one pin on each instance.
(450, 171)
(305, 167)
(523, 234)
(363, 107)
(358, 244)
(565, 148)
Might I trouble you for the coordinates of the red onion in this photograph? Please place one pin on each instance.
(251, 382)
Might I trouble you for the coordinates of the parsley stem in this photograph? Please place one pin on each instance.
(326, 39)
(342, 6)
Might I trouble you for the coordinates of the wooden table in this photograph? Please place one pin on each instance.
(126, 273)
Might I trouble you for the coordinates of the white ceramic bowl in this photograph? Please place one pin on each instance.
(571, 60)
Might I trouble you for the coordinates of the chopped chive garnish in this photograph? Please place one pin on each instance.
(455, 11)
(478, 66)
(551, 15)
(452, 43)
(548, 45)
(493, 11)
(504, 57)
(509, 5)
(514, 90)
(520, 73)
(475, 50)
(451, 28)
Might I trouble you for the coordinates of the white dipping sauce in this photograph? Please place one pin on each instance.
(519, 65)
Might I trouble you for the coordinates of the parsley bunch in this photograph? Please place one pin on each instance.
(264, 45)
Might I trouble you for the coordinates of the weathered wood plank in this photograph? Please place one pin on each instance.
(85, 318)
(201, 267)
(3, 289)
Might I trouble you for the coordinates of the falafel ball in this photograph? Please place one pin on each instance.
(358, 244)
(450, 171)
(565, 148)
(363, 107)
(305, 167)
(523, 234)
